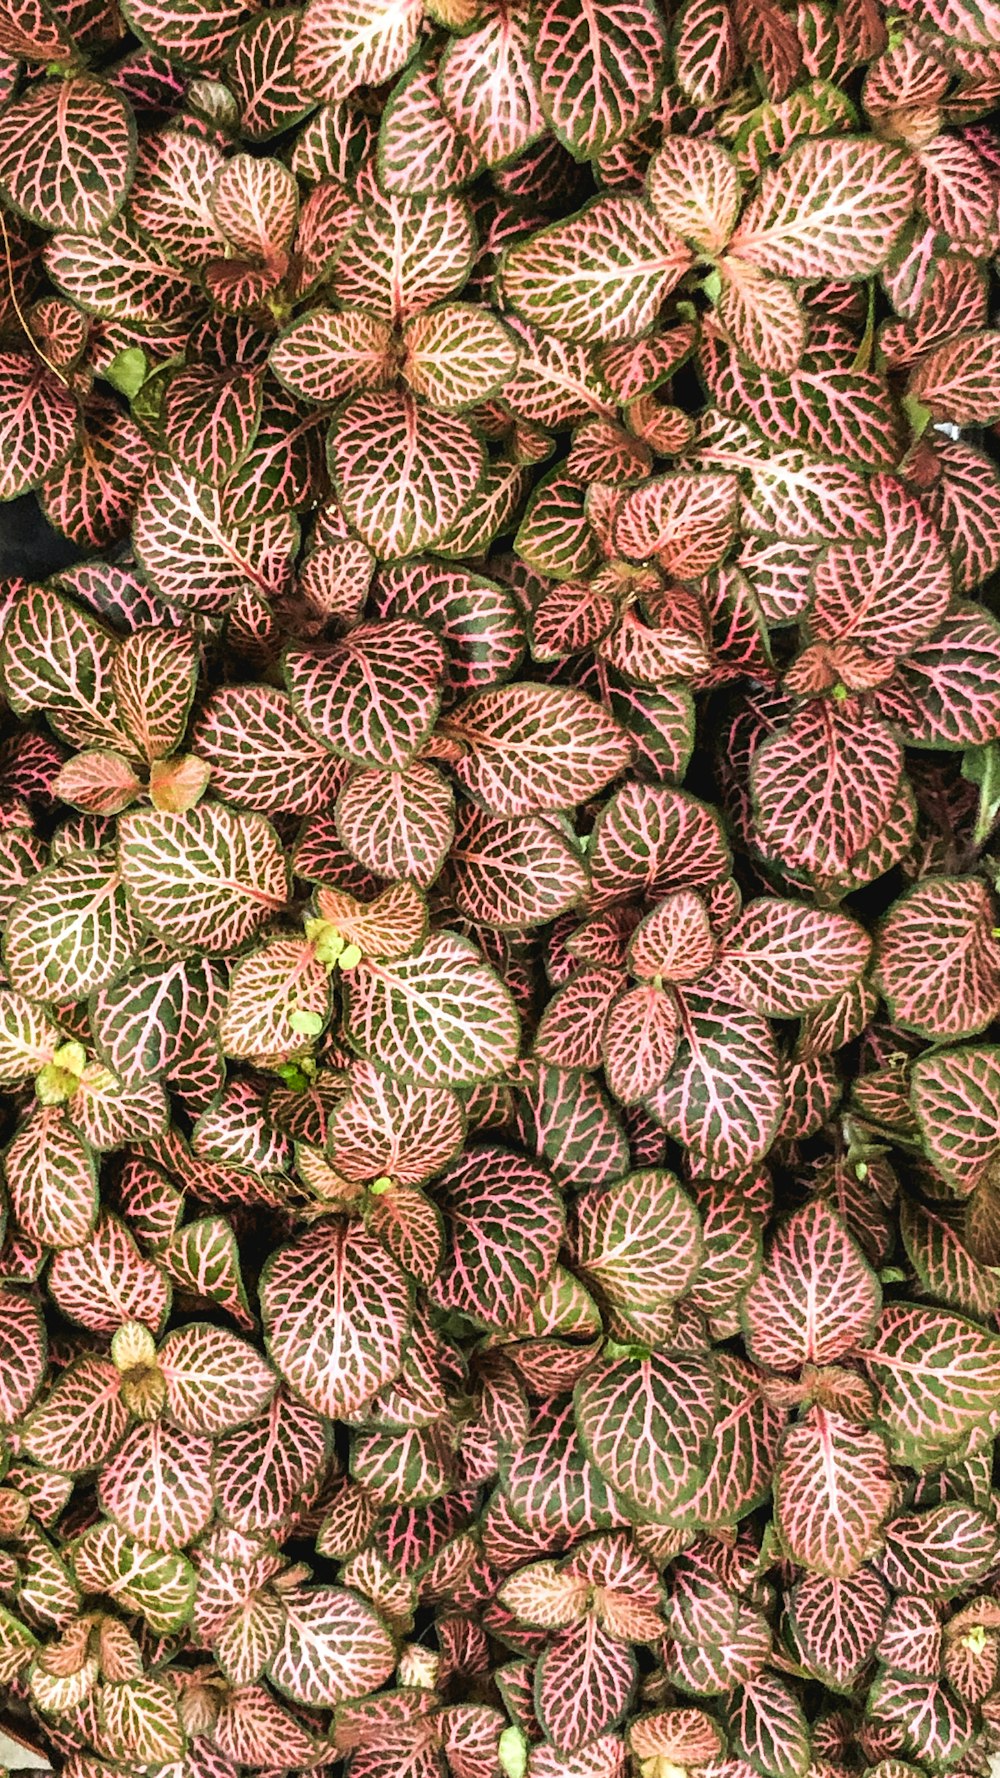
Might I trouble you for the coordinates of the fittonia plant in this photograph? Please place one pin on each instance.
(500, 1223)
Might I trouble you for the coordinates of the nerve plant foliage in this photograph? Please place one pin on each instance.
(500, 1273)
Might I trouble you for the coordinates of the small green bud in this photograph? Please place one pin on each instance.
(349, 957)
(307, 1024)
(71, 1056)
(379, 1187)
(327, 942)
(513, 1751)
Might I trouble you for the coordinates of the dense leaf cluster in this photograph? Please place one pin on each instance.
(500, 1248)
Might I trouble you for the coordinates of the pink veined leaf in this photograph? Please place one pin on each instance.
(504, 1222)
(255, 203)
(390, 927)
(489, 88)
(214, 1380)
(553, 1488)
(478, 620)
(188, 31)
(745, 1444)
(547, 1595)
(958, 381)
(398, 823)
(52, 1179)
(944, 1264)
(583, 1683)
(276, 995)
(650, 839)
(723, 1098)
(23, 1354)
(253, 1726)
(120, 275)
(457, 355)
(816, 1297)
(336, 1311)
(888, 596)
(930, 1721)
(945, 692)
(106, 1280)
(825, 785)
(956, 1099)
(638, 1242)
(836, 1624)
(555, 536)
(513, 874)
(403, 473)
(602, 1758)
(343, 44)
(382, 1128)
(706, 50)
(154, 675)
(32, 33)
(674, 941)
(821, 405)
(600, 71)
(261, 754)
(374, 697)
(601, 275)
(28, 1038)
(92, 496)
(833, 1489)
(208, 877)
(938, 963)
(323, 356)
(768, 1727)
(333, 1646)
(529, 749)
(82, 1420)
(936, 1375)
(158, 1486)
(195, 552)
(210, 422)
(202, 1259)
(420, 150)
(260, 73)
(38, 424)
(761, 316)
(70, 931)
(639, 1042)
(694, 187)
(686, 522)
(261, 1469)
(771, 42)
(571, 1030)
(939, 1552)
(151, 1017)
(964, 503)
(783, 958)
(440, 1018)
(570, 1123)
(645, 1423)
(66, 153)
(832, 209)
(404, 254)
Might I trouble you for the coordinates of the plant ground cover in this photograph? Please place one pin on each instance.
(499, 778)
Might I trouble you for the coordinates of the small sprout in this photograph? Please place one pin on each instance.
(132, 1347)
(307, 1024)
(513, 1752)
(379, 1187)
(975, 1639)
(325, 939)
(349, 957)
